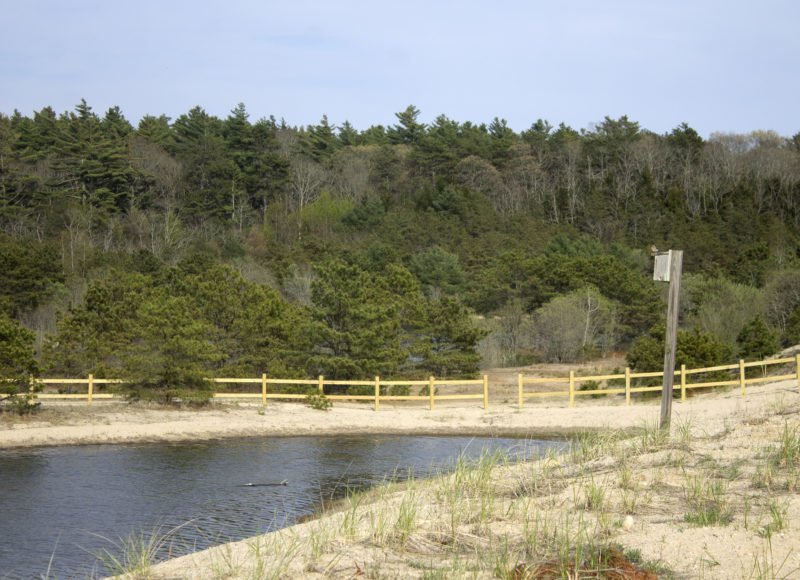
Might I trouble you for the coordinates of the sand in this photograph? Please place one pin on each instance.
(118, 423)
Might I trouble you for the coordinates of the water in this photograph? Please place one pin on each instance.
(66, 504)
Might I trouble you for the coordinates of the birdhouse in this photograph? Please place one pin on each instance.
(662, 266)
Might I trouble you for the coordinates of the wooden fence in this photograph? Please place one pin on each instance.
(270, 387)
(265, 393)
(737, 371)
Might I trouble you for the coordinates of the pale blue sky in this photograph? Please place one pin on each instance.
(727, 66)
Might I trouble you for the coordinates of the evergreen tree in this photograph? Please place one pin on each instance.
(18, 366)
(156, 129)
(171, 351)
(320, 142)
(694, 348)
(502, 139)
(92, 166)
(28, 274)
(209, 177)
(445, 342)
(115, 125)
(409, 130)
(348, 136)
(268, 171)
(756, 341)
(357, 328)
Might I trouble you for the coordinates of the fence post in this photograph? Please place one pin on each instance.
(320, 385)
(797, 369)
(485, 392)
(91, 387)
(571, 388)
(519, 385)
(430, 391)
(377, 392)
(741, 376)
(263, 388)
(628, 386)
(683, 383)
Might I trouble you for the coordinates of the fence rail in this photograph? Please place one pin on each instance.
(737, 372)
(627, 378)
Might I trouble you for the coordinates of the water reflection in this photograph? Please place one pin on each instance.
(63, 502)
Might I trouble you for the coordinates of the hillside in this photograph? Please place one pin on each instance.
(407, 250)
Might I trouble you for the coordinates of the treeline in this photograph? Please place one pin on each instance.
(328, 250)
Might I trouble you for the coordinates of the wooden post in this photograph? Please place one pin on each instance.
(377, 392)
(263, 388)
(91, 387)
(485, 392)
(797, 369)
(741, 376)
(571, 388)
(675, 268)
(321, 380)
(627, 386)
(431, 391)
(519, 385)
(683, 383)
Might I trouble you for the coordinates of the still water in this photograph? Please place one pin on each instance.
(60, 506)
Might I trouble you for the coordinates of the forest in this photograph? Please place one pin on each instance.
(177, 249)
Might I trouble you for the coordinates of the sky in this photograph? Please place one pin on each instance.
(727, 66)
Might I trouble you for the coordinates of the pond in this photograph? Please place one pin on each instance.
(61, 506)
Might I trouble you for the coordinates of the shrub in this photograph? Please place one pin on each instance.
(756, 341)
(318, 401)
(695, 349)
(591, 386)
(400, 390)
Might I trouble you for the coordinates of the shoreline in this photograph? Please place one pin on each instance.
(634, 490)
(637, 494)
(121, 423)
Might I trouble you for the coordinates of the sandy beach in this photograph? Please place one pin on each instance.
(75, 422)
(79, 424)
(103, 422)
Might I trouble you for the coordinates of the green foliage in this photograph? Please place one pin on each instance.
(320, 217)
(577, 325)
(505, 223)
(793, 327)
(319, 141)
(756, 341)
(356, 323)
(444, 342)
(408, 130)
(708, 502)
(18, 367)
(694, 348)
(400, 390)
(170, 351)
(318, 401)
(591, 386)
(90, 337)
(168, 333)
(366, 214)
(719, 306)
(28, 274)
(636, 295)
(439, 271)
(782, 296)
(91, 160)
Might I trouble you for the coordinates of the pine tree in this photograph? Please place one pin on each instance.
(18, 364)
